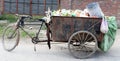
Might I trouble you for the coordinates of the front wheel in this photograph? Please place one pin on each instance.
(10, 38)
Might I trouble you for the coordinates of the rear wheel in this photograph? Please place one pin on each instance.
(82, 44)
(10, 38)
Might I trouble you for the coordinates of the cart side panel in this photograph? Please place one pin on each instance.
(63, 27)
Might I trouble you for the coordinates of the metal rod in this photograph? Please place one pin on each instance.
(25, 32)
(39, 30)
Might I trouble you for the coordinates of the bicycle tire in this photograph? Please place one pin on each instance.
(10, 41)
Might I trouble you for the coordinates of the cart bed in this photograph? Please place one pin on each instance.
(63, 27)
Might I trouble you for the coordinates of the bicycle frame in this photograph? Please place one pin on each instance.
(35, 39)
(20, 24)
(37, 33)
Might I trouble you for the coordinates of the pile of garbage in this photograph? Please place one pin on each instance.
(73, 13)
(91, 10)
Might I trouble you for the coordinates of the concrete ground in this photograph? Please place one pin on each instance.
(59, 52)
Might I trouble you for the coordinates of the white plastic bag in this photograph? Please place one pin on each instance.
(104, 26)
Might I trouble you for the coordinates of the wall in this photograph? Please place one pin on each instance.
(109, 7)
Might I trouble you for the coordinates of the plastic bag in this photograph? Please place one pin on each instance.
(104, 26)
(109, 37)
(95, 10)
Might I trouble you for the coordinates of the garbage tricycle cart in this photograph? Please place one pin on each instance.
(81, 33)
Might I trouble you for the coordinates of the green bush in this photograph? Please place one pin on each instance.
(9, 17)
(13, 18)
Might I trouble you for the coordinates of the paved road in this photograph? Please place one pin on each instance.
(59, 52)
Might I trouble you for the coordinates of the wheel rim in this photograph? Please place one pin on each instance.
(10, 42)
(82, 44)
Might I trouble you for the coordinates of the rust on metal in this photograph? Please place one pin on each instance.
(63, 27)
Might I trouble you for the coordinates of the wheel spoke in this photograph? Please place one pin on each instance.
(83, 36)
(86, 37)
(76, 38)
(89, 38)
(80, 38)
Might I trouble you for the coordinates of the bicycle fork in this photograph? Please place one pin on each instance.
(48, 35)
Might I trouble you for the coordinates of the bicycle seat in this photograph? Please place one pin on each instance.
(42, 20)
